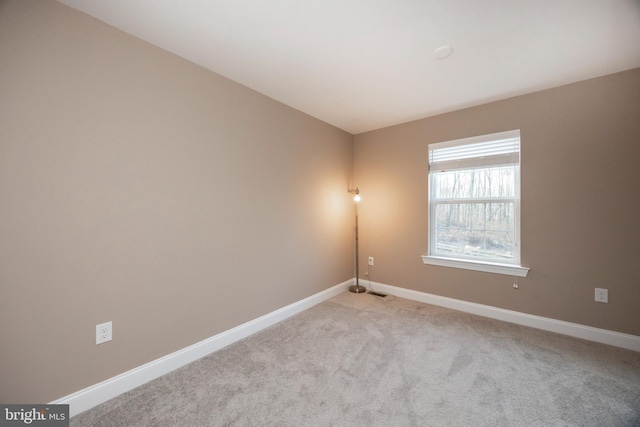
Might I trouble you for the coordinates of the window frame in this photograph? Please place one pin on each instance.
(491, 265)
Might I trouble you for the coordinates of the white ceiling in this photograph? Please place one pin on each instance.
(367, 64)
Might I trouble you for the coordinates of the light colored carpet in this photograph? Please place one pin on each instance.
(357, 360)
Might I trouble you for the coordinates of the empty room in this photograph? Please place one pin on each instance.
(419, 212)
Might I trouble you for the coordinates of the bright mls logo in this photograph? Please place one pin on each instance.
(36, 415)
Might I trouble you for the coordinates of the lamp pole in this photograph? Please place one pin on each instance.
(357, 289)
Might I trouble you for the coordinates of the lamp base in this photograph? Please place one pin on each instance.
(357, 289)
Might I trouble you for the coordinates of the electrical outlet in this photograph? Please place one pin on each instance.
(602, 295)
(370, 260)
(104, 332)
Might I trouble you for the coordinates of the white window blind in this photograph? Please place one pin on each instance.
(487, 150)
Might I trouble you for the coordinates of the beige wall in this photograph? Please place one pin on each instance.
(580, 202)
(139, 188)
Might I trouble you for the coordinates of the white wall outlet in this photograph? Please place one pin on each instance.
(370, 260)
(104, 332)
(602, 295)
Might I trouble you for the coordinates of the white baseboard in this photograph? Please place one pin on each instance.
(603, 336)
(99, 393)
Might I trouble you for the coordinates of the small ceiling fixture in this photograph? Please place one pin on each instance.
(443, 51)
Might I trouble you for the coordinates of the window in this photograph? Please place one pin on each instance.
(474, 203)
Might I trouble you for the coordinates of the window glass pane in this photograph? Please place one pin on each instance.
(499, 245)
(482, 230)
(448, 228)
(500, 216)
(475, 183)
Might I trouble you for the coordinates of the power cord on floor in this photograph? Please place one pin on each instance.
(380, 295)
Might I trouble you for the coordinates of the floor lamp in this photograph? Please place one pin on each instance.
(357, 288)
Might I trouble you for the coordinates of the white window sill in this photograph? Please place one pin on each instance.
(489, 267)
